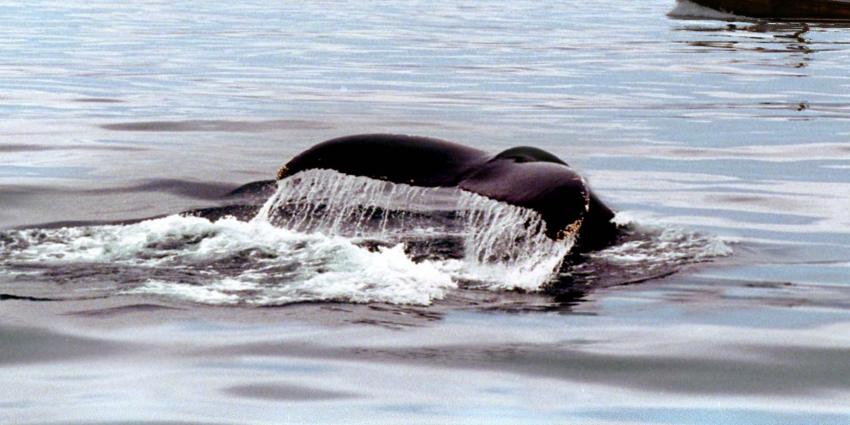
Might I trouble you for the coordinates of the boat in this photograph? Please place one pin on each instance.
(799, 10)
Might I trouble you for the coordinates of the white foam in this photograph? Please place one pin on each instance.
(150, 242)
(322, 267)
(355, 275)
(387, 275)
(689, 9)
(662, 245)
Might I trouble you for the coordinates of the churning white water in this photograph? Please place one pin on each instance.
(307, 243)
(325, 236)
(504, 246)
(223, 262)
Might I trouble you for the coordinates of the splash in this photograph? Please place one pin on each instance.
(338, 204)
(311, 241)
(645, 250)
(330, 237)
(505, 247)
(223, 262)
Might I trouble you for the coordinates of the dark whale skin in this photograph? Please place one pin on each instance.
(788, 10)
(523, 176)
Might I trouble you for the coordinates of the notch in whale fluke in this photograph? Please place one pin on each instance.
(524, 176)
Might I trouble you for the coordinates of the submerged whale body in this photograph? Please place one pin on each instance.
(816, 10)
(523, 176)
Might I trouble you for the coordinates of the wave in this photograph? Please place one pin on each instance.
(325, 236)
(227, 262)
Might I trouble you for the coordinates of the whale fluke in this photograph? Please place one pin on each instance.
(524, 176)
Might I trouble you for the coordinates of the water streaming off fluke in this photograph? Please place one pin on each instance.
(332, 203)
(503, 246)
(323, 236)
(326, 236)
(507, 245)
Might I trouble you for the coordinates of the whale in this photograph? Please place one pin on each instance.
(524, 176)
(784, 10)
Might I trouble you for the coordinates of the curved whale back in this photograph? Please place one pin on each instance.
(553, 190)
(524, 176)
(529, 154)
(413, 160)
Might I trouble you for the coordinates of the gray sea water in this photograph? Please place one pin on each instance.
(723, 141)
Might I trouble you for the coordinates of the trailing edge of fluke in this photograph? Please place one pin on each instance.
(523, 176)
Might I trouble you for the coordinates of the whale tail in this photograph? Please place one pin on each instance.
(525, 177)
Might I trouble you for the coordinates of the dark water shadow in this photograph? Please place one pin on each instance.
(218, 126)
(743, 370)
(131, 423)
(12, 297)
(191, 189)
(12, 148)
(98, 100)
(185, 188)
(107, 312)
(285, 392)
(30, 345)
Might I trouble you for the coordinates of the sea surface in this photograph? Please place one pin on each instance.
(721, 142)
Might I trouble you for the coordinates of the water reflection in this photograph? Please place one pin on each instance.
(789, 38)
(783, 67)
